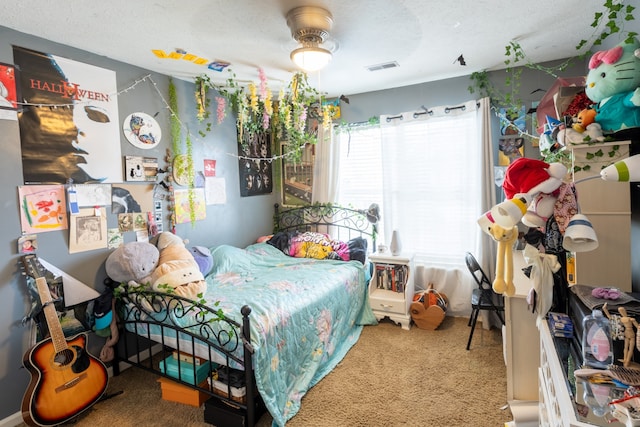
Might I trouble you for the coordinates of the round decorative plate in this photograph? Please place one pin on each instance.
(142, 130)
(181, 169)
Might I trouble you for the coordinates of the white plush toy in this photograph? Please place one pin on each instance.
(524, 179)
(538, 180)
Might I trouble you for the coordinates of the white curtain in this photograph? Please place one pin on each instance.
(431, 172)
(432, 190)
(325, 169)
(485, 251)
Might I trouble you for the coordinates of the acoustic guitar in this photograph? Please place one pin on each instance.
(65, 378)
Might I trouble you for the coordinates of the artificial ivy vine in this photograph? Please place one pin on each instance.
(257, 110)
(176, 144)
(612, 18)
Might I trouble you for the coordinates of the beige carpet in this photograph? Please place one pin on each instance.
(391, 377)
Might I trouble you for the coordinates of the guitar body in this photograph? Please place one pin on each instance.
(63, 383)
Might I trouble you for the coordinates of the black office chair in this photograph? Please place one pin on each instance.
(483, 297)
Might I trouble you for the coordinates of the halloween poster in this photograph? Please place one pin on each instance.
(69, 124)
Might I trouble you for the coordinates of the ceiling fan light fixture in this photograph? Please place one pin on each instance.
(310, 27)
(311, 58)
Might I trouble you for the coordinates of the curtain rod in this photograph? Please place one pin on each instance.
(447, 110)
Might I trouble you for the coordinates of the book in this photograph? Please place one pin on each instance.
(560, 325)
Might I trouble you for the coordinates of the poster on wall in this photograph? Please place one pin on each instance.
(139, 168)
(183, 205)
(510, 148)
(255, 173)
(69, 125)
(127, 198)
(42, 208)
(9, 89)
(88, 230)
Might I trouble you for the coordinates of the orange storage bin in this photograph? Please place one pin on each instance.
(176, 392)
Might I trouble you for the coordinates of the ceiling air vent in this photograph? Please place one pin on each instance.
(392, 64)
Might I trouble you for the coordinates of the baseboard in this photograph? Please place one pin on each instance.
(16, 419)
(12, 420)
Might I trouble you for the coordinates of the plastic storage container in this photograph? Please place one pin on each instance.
(597, 348)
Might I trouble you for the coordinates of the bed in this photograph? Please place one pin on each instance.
(271, 323)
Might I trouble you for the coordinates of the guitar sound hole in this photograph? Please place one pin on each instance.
(63, 358)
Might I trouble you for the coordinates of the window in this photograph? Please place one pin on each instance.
(425, 174)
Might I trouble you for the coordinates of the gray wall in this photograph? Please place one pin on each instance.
(238, 222)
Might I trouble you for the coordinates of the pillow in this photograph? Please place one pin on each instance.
(358, 249)
(315, 245)
(311, 245)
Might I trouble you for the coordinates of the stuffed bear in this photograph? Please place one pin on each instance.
(613, 82)
(132, 261)
(176, 268)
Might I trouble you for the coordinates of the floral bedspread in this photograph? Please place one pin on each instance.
(306, 315)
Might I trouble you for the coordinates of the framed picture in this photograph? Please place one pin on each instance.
(297, 178)
(139, 168)
(9, 90)
(88, 231)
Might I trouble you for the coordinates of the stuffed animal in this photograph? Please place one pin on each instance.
(531, 177)
(583, 119)
(428, 308)
(540, 210)
(132, 261)
(613, 82)
(570, 136)
(176, 268)
(506, 238)
(203, 258)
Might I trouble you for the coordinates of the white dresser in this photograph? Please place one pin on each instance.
(521, 346)
(559, 405)
(607, 204)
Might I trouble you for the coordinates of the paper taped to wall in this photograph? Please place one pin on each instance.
(75, 292)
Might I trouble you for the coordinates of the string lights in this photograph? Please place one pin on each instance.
(149, 79)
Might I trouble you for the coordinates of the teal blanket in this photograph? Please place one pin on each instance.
(305, 316)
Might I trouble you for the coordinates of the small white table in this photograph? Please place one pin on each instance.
(391, 287)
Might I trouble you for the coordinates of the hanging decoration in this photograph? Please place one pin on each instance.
(142, 130)
(257, 110)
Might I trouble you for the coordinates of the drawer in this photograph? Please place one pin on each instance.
(388, 301)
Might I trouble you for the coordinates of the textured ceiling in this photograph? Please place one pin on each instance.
(423, 36)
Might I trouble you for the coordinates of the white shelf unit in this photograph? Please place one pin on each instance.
(391, 288)
(608, 206)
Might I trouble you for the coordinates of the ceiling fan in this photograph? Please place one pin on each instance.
(310, 26)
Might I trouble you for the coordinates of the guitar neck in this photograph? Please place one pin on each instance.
(50, 314)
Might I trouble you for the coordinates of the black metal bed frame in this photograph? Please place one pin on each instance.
(140, 308)
(340, 222)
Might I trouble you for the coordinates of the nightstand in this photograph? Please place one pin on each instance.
(391, 287)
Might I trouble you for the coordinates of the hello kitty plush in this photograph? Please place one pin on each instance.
(613, 82)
